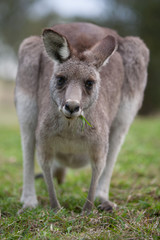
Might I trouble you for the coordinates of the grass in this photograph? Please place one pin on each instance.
(84, 121)
(135, 188)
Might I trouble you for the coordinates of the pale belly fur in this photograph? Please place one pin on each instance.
(71, 153)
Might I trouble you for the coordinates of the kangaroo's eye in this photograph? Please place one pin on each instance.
(60, 80)
(89, 84)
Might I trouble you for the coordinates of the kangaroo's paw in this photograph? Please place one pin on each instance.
(29, 202)
(107, 206)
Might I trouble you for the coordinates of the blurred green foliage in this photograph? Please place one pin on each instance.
(134, 17)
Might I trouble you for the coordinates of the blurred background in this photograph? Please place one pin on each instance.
(20, 19)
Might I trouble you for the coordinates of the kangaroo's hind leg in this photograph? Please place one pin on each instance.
(27, 110)
(135, 58)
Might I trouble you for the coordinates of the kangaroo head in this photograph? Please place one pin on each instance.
(76, 80)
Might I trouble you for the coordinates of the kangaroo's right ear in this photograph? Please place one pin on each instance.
(56, 45)
(101, 52)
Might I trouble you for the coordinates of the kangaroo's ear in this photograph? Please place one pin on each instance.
(100, 53)
(56, 45)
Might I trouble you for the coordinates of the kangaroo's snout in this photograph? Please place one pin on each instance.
(71, 109)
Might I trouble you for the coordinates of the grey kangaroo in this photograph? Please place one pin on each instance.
(73, 70)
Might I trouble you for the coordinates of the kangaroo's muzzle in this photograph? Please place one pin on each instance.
(71, 109)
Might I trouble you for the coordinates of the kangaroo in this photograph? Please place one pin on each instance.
(77, 70)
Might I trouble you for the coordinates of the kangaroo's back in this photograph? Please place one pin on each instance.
(29, 62)
(83, 36)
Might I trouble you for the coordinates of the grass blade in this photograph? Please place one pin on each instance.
(84, 121)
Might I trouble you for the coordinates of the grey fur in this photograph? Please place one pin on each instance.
(49, 113)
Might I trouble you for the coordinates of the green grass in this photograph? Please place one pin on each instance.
(135, 188)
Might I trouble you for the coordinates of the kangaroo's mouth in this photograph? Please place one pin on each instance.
(71, 116)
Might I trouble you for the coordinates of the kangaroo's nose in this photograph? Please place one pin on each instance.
(72, 106)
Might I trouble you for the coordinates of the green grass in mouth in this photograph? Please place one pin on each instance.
(84, 121)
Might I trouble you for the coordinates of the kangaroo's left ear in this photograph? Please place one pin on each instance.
(56, 45)
(100, 53)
